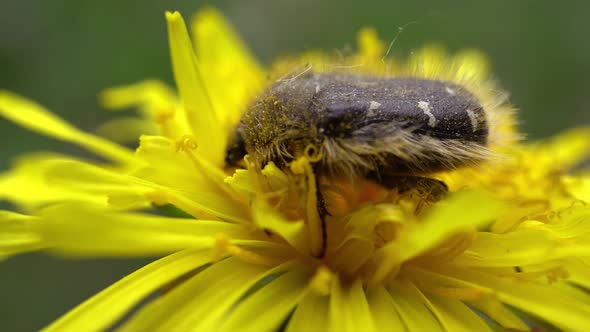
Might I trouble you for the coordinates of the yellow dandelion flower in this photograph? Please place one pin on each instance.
(507, 247)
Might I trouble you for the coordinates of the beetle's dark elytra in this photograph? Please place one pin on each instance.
(371, 122)
(438, 109)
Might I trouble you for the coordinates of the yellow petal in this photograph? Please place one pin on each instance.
(193, 91)
(149, 95)
(349, 309)
(533, 242)
(566, 312)
(277, 179)
(282, 294)
(414, 314)
(108, 186)
(447, 323)
(294, 232)
(173, 168)
(351, 255)
(211, 318)
(79, 230)
(216, 41)
(105, 308)
(579, 271)
(563, 151)
(27, 184)
(127, 129)
(571, 224)
(196, 203)
(500, 314)
(34, 117)
(311, 315)
(578, 187)
(17, 234)
(456, 316)
(480, 297)
(358, 245)
(445, 219)
(383, 310)
(201, 300)
(242, 181)
(570, 290)
(534, 248)
(158, 104)
(225, 58)
(139, 190)
(85, 177)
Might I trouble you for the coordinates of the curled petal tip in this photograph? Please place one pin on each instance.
(173, 16)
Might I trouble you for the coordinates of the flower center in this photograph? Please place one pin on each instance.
(364, 222)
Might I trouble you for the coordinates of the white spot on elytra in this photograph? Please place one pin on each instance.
(317, 87)
(425, 106)
(450, 91)
(373, 105)
(473, 119)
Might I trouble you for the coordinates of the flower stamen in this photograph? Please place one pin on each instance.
(162, 118)
(224, 247)
(188, 144)
(314, 222)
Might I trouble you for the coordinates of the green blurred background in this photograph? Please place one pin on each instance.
(61, 53)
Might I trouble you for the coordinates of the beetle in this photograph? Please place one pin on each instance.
(393, 130)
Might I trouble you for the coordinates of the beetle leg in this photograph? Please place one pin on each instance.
(323, 213)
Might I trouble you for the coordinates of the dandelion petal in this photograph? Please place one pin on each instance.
(266, 309)
(383, 310)
(193, 92)
(445, 219)
(459, 290)
(292, 231)
(126, 130)
(104, 308)
(158, 104)
(199, 301)
(456, 316)
(349, 310)
(224, 59)
(413, 312)
(443, 309)
(545, 242)
(150, 95)
(27, 185)
(311, 314)
(81, 230)
(17, 234)
(566, 311)
(36, 118)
